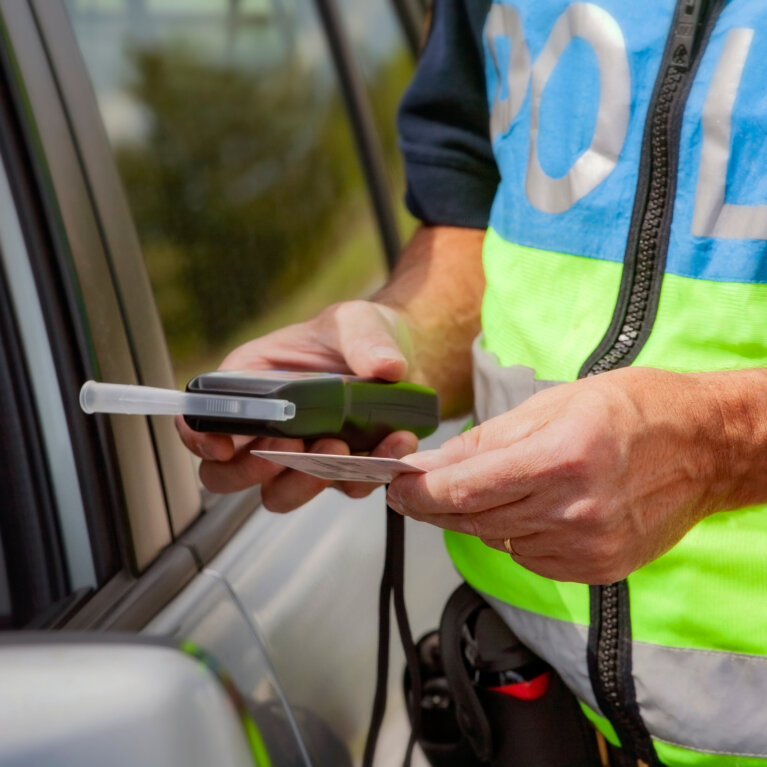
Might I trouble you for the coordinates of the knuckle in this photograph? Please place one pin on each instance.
(356, 489)
(210, 476)
(602, 576)
(584, 514)
(575, 458)
(471, 440)
(275, 501)
(465, 443)
(204, 474)
(460, 497)
(193, 441)
(580, 452)
(547, 569)
(347, 312)
(602, 550)
(469, 525)
(607, 561)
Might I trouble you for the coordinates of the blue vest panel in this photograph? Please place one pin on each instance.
(570, 83)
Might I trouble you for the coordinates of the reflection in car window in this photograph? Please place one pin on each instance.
(379, 43)
(232, 143)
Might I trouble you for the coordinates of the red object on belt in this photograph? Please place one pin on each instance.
(532, 689)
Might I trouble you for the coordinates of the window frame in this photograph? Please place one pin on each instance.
(74, 284)
(145, 335)
(30, 265)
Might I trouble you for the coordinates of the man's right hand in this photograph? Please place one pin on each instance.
(419, 328)
(355, 337)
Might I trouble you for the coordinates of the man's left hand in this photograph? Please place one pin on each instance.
(593, 479)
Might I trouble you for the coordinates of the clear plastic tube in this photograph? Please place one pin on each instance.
(98, 397)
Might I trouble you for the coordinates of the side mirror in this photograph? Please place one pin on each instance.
(119, 701)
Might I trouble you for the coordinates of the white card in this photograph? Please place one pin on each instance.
(355, 468)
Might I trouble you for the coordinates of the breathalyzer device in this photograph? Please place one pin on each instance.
(359, 411)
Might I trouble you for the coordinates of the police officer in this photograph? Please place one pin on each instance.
(604, 162)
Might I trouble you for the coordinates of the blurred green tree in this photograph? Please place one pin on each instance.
(236, 188)
(243, 182)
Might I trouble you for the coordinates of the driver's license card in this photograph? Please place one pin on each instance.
(354, 468)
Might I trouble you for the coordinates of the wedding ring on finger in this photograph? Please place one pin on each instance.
(507, 545)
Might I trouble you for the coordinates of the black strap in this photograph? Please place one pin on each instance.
(470, 714)
(393, 587)
(396, 528)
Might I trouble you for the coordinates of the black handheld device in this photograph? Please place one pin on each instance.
(360, 411)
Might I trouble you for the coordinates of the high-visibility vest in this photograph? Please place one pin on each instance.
(616, 143)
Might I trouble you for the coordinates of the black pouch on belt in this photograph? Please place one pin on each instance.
(488, 699)
(439, 735)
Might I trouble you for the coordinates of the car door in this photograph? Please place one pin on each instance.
(231, 164)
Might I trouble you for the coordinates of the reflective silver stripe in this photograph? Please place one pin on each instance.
(504, 20)
(686, 697)
(713, 217)
(498, 389)
(598, 28)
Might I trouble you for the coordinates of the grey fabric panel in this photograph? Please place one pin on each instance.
(561, 644)
(685, 697)
(498, 389)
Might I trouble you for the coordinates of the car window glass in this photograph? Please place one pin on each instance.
(43, 532)
(231, 139)
(387, 63)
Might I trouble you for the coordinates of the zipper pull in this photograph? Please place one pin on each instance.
(688, 26)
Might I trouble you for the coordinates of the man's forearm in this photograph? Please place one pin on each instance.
(737, 434)
(437, 287)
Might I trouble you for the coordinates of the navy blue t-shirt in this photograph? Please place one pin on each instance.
(444, 122)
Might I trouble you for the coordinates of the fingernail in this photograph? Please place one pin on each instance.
(394, 500)
(425, 459)
(385, 353)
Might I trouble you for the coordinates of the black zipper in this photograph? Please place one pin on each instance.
(609, 651)
(647, 244)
